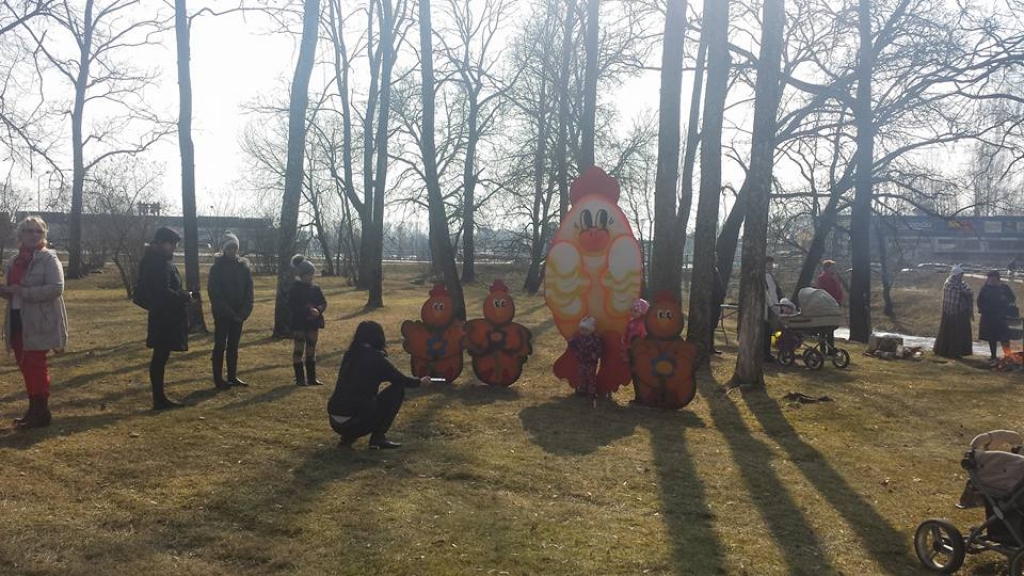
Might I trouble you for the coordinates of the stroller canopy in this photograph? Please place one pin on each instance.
(815, 302)
(999, 470)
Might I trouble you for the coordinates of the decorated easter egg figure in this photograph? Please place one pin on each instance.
(435, 341)
(594, 269)
(498, 346)
(662, 363)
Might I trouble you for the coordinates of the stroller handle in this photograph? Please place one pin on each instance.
(995, 439)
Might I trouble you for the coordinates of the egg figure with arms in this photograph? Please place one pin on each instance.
(594, 269)
(435, 341)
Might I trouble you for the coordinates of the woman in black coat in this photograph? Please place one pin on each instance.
(994, 302)
(358, 407)
(159, 291)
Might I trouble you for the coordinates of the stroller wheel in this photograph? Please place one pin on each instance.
(786, 357)
(841, 358)
(1017, 563)
(814, 359)
(939, 546)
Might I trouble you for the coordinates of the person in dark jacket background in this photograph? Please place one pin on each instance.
(161, 294)
(230, 289)
(306, 305)
(994, 302)
(358, 407)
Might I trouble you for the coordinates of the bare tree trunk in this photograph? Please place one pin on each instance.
(750, 358)
(196, 320)
(883, 259)
(816, 251)
(562, 139)
(75, 268)
(729, 235)
(296, 162)
(860, 219)
(665, 269)
(716, 26)
(469, 193)
(375, 299)
(538, 234)
(440, 239)
(692, 144)
(587, 154)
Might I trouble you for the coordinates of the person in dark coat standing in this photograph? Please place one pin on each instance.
(954, 338)
(994, 302)
(159, 291)
(306, 304)
(358, 407)
(229, 287)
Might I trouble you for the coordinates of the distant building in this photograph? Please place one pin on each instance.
(974, 239)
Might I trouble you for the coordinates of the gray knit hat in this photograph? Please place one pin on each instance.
(228, 240)
(302, 266)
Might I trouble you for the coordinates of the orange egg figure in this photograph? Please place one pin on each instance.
(498, 346)
(594, 268)
(435, 341)
(662, 363)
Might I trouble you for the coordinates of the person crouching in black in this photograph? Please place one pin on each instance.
(358, 407)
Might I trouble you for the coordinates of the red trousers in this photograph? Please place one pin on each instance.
(33, 367)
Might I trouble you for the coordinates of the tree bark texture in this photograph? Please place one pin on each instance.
(375, 298)
(665, 270)
(564, 118)
(441, 249)
(589, 128)
(75, 268)
(196, 320)
(299, 102)
(860, 219)
(692, 145)
(750, 357)
(716, 27)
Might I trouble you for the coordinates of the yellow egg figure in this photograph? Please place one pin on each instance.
(594, 268)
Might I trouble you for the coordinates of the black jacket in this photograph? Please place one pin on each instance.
(301, 298)
(229, 287)
(994, 305)
(167, 326)
(359, 379)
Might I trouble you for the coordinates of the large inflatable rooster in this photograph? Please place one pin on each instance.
(594, 268)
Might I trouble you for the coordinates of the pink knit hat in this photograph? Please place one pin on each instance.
(640, 307)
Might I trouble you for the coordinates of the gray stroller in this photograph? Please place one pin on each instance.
(996, 482)
(810, 332)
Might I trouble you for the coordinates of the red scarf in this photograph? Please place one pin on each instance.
(20, 265)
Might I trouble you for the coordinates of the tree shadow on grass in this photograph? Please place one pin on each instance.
(886, 545)
(62, 426)
(696, 548)
(571, 425)
(793, 534)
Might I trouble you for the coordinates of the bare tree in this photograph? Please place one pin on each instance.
(106, 33)
(296, 153)
(665, 269)
(716, 27)
(750, 359)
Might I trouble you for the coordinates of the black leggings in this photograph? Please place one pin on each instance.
(156, 371)
(373, 417)
(993, 346)
(226, 335)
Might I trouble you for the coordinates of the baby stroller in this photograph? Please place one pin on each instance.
(809, 332)
(996, 482)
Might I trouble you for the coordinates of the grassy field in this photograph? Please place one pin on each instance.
(526, 480)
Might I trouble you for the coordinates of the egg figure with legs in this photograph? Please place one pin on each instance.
(594, 269)
(662, 363)
(435, 341)
(498, 346)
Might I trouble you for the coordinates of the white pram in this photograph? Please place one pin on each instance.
(996, 482)
(816, 320)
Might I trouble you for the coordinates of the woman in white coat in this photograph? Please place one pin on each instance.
(36, 321)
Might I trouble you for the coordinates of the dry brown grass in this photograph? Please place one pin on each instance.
(523, 480)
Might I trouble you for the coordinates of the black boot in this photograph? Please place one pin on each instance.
(160, 400)
(233, 379)
(311, 374)
(38, 413)
(29, 414)
(380, 442)
(218, 370)
(300, 378)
